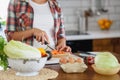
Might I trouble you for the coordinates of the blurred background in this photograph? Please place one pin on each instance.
(81, 19)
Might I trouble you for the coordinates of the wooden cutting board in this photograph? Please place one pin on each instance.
(44, 74)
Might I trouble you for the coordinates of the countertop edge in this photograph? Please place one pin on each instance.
(95, 35)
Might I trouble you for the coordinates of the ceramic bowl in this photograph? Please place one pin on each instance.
(24, 67)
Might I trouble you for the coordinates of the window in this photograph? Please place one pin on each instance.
(3, 8)
(3, 15)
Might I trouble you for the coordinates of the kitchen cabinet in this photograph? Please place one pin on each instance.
(116, 45)
(109, 44)
(103, 44)
(80, 45)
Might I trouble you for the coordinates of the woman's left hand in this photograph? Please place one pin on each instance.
(64, 48)
(61, 46)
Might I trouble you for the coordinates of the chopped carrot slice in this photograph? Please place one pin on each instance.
(54, 52)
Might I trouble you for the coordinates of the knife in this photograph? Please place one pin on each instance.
(46, 43)
(85, 54)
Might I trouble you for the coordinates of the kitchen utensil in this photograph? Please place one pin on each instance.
(85, 54)
(23, 67)
(46, 43)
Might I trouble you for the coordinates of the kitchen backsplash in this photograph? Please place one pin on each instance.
(72, 7)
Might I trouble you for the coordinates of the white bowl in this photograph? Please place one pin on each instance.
(27, 67)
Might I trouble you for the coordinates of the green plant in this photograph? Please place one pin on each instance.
(3, 22)
(3, 56)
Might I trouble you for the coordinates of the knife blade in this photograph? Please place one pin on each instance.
(85, 54)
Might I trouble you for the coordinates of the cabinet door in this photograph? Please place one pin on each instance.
(102, 45)
(103, 48)
(116, 44)
(101, 42)
(117, 49)
(80, 45)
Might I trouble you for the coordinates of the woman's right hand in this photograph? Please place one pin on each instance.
(40, 35)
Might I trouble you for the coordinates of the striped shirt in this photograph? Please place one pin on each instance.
(20, 18)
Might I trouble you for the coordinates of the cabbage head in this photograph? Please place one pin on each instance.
(106, 60)
(19, 50)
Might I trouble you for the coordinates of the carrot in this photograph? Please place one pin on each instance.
(54, 52)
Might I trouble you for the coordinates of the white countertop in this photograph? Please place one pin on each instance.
(95, 35)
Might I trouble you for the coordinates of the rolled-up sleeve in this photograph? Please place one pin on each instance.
(11, 20)
(61, 31)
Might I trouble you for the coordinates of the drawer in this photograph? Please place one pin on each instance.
(115, 41)
(103, 48)
(102, 42)
(117, 49)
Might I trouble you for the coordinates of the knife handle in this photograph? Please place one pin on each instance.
(45, 41)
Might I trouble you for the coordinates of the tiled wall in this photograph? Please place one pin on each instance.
(72, 7)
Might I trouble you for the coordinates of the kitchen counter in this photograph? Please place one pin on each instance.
(89, 74)
(95, 35)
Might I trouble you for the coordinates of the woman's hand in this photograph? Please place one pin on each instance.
(40, 35)
(61, 46)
